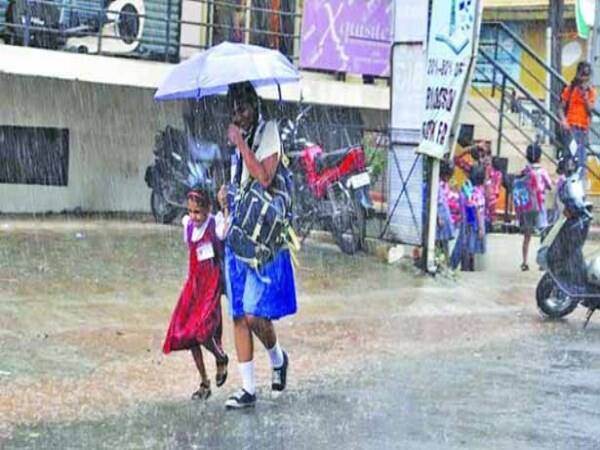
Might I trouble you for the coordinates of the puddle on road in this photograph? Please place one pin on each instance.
(462, 398)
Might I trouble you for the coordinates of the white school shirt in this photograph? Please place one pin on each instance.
(197, 232)
(266, 143)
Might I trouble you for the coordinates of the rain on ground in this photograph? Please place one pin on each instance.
(381, 357)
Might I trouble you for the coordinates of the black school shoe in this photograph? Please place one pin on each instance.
(240, 400)
(279, 377)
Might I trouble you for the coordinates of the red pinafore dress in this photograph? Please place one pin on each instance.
(197, 315)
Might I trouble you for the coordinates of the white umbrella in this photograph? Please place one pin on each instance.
(211, 71)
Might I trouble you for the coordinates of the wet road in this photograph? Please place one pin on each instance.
(380, 357)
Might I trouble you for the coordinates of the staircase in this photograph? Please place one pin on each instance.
(505, 112)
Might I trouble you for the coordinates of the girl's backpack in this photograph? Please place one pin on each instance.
(454, 205)
(526, 192)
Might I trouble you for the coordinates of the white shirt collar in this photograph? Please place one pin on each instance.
(197, 232)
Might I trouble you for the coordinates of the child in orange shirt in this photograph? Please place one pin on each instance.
(577, 101)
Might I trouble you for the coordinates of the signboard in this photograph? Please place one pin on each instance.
(585, 12)
(454, 28)
(347, 36)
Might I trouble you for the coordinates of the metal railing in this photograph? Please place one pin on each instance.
(95, 30)
(493, 50)
(149, 30)
(508, 82)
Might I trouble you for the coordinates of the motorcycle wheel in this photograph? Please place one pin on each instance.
(348, 224)
(162, 211)
(301, 225)
(303, 213)
(551, 301)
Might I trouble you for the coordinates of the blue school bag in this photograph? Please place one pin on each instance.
(261, 223)
(470, 209)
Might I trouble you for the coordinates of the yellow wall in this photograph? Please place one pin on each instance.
(520, 3)
(594, 182)
(534, 35)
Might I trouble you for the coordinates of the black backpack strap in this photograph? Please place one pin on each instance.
(238, 170)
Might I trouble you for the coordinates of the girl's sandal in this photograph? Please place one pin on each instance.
(524, 267)
(221, 377)
(203, 392)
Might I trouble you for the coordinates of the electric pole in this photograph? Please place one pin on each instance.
(556, 25)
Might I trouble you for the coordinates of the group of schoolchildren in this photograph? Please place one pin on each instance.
(466, 211)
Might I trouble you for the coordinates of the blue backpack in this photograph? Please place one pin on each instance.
(525, 193)
(261, 223)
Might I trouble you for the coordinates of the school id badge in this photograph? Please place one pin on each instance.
(205, 251)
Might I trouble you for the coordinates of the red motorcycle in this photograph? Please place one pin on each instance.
(331, 190)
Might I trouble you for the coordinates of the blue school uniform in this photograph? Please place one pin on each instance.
(269, 291)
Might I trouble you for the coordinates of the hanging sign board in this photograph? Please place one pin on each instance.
(347, 36)
(450, 55)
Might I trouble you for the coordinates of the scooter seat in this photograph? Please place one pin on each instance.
(331, 159)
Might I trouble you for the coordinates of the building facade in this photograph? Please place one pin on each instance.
(93, 90)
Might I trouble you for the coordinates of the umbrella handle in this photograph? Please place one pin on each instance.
(280, 101)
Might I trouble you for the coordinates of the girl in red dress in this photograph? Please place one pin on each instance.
(196, 320)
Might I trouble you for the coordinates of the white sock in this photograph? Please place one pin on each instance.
(276, 355)
(248, 379)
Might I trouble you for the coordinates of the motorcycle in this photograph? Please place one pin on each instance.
(569, 280)
(179, 166)
(331, 190)
(75, 25)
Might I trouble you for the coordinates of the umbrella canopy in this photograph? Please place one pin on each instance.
(210, 72)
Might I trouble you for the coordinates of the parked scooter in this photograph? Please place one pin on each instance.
(180, 165)
(569, 280)
(331, 190)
